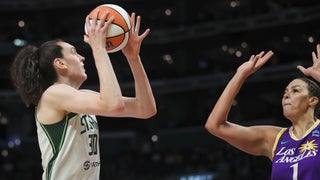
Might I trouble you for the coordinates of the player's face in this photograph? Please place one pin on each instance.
(295, 101)
(74, 63)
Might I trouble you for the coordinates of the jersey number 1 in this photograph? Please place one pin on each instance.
(295, 171)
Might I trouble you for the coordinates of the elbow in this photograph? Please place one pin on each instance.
(211, 127)
(152, 113)
(207, 126)
(146, 112)
(149, 113)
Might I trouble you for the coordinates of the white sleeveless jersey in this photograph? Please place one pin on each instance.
(70, 148)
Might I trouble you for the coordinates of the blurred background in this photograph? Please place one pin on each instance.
(193, 49)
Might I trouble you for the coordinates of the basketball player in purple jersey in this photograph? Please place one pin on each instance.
(294, 151)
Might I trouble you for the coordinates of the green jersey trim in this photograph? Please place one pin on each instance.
(56, 136)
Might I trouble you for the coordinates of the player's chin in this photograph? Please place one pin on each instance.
(287, 115)
(84, 76)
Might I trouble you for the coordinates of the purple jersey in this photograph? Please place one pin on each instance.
(297, 159)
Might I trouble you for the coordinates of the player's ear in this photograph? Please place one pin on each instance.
(314, 101)
(59, 64)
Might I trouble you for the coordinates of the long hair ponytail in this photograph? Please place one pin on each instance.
(32, 70)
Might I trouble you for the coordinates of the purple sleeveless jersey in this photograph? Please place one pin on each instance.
(297, 159)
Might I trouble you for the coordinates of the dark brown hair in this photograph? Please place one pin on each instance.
(32, 70)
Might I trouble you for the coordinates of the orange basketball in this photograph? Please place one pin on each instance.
(118, 32)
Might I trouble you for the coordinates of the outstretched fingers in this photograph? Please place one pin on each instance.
(135, 27)
(137, 24)
(309, 71)
(145, 33)
(315, 57)
(263, 58)
(255, 58)
(105, 24)
(133, 21)
(303, 70)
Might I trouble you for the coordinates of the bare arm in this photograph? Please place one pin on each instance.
(110, 93)
(143, 104)
(60, 99)
(256, 140)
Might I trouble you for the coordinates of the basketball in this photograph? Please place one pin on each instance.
(118, 32)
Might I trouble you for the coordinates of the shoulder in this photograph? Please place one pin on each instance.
(56, 90)
(268, 129)
(272, 132)
(56, 87)
(64, 89)
(56, 94)
(269, 132)
(270, 135)
(59, 95)
(49, 109)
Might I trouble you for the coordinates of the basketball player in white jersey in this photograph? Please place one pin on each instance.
(50, 76)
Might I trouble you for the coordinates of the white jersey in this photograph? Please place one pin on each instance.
(70, 148)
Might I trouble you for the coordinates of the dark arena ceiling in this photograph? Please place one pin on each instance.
(192, 51)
